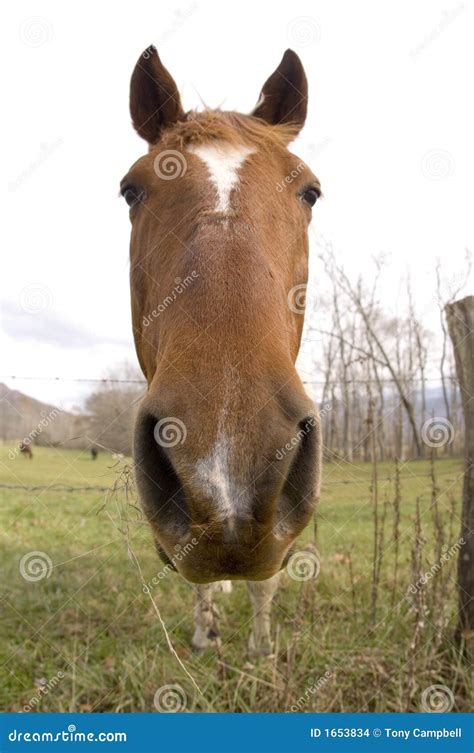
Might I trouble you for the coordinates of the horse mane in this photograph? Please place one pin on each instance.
(232, 127)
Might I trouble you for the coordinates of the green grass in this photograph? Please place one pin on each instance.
(91, 621)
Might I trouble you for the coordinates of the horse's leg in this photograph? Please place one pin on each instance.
(261, 593)
(206, 615)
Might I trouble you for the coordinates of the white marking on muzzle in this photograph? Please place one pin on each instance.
(214, 476)
(223, 161)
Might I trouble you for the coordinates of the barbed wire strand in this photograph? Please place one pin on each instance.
(321, 382)
(66, 488)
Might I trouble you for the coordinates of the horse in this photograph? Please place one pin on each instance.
(94, 453)
(227, 444)
(25, 449)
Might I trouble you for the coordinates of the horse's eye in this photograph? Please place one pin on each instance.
(310, 196)
(133, 195)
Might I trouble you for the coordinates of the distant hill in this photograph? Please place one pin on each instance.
(24, 417)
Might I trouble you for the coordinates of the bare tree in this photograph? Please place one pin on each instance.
(112, 410)
(358, 298)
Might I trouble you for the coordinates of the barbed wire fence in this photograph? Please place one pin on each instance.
(109, 380)
(325, 391)
(114, 487)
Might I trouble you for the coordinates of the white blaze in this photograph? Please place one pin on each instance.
(223, 161)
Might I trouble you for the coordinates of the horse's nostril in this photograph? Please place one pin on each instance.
(306, 425)
(301, 489)
(160, 488)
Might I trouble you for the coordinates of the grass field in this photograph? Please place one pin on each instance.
(86, 637)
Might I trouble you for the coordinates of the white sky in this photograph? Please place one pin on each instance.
(389, 134)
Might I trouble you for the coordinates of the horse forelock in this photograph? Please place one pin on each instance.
(234, 128)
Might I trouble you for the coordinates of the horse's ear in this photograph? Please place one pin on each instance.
(154, 98)
(284, 97)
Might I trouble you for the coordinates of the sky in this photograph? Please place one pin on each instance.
(389, 134)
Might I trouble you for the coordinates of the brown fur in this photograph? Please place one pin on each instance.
(221, 356)
(231, 127)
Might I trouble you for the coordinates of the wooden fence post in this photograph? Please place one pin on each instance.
(460, 318)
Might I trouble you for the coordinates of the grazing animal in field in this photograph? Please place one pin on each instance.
(25, 449)
(94, 453)
(227, 444)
